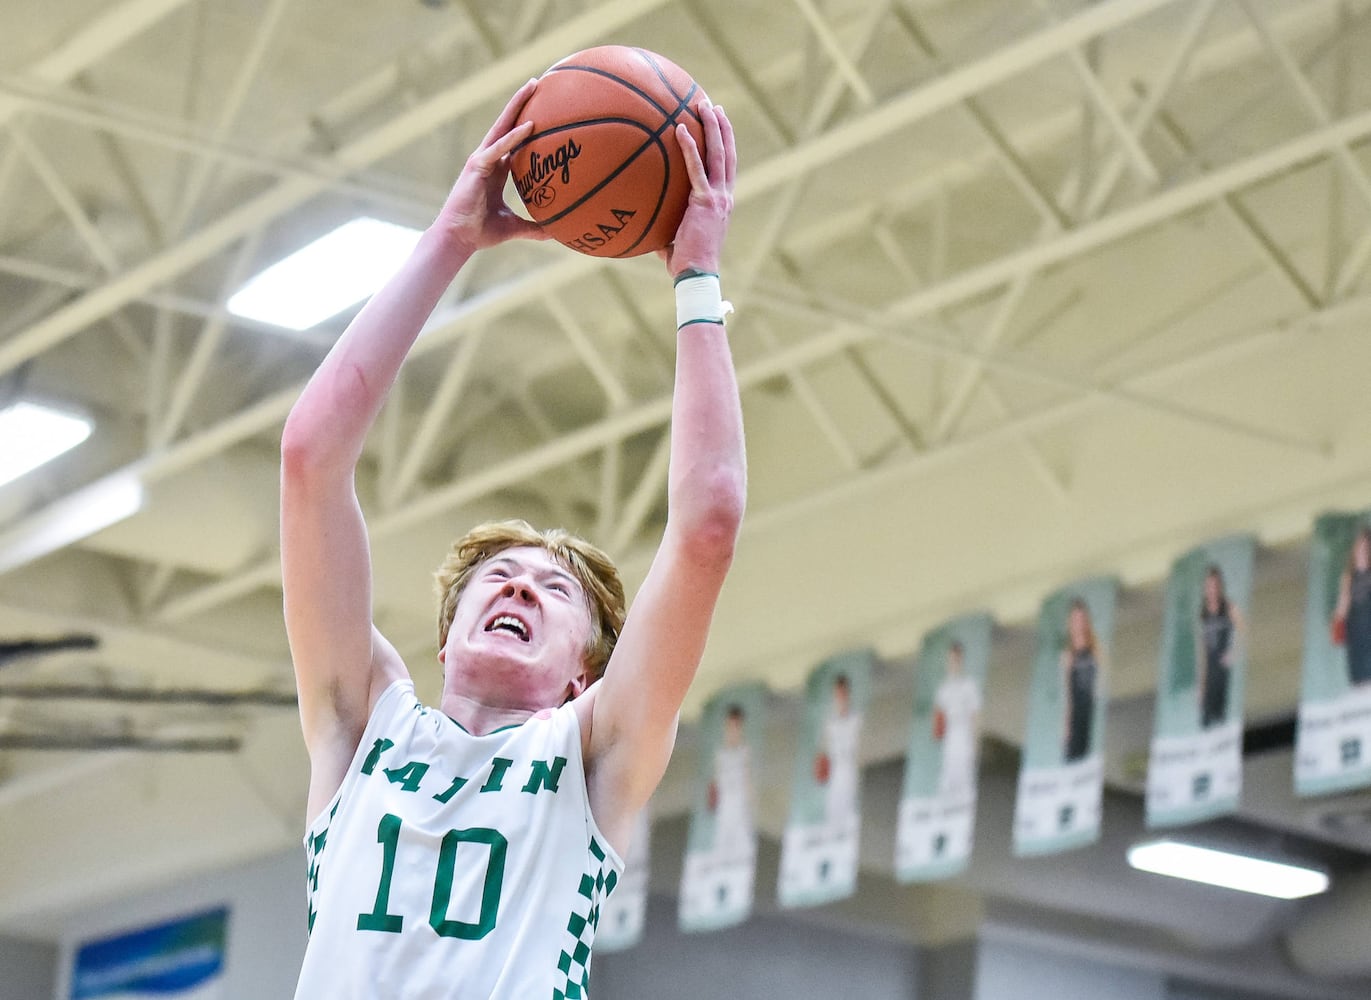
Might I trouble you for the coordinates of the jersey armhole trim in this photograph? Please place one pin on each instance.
(595, 830)
(358, 755)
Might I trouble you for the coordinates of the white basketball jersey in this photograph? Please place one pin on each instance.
(456, 866)
(960, 700)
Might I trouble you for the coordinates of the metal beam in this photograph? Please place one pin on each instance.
(957, 288)
(487, 84)
(269, 411)
(450, 386)
(97, 39)
(650, 486)
(944, 92)
(841, 63)
(202, 170)
(66, 200)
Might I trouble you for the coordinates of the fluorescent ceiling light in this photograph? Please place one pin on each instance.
(1231, 871)
(31, 435)
(337, 270)
(74, 517)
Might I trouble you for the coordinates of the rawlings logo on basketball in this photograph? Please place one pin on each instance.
(541, 197)
(532, 184)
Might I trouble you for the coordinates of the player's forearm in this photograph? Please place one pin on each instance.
(329, 422)
(708, 481)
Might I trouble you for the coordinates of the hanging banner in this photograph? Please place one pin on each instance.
(1195, 770)
(1333, 744)
(819, 846)
(721, 849)
(938, 801)
(1061, 780)
(623, 912)
(180, 959)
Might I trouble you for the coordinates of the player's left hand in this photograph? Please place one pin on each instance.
(475, 213)
(699, 238)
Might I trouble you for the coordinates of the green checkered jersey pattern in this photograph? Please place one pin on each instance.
(594, 887)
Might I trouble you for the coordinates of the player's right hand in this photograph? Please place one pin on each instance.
(476, 215)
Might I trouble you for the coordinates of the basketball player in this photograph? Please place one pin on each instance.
(734, 837)
(1353, 611)
(1218, 627)
(1080, 665)
(463, 850)
(958, 698)
(841, 735)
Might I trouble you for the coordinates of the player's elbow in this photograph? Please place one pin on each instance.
(304, 450)
(711, 528)
(312, 461)
(319, 436)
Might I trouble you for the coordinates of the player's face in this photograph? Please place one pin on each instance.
(1078, 625)
(522, 621)
(1213, 588)
(733, 730)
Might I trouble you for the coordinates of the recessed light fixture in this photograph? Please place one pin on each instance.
(320, 280)
(1228, 870)
(34, 434)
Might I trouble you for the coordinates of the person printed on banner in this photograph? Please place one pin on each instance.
(1351, 626)
(957, 715)
(1220, 625)
(467, 847)
(731, 790)
(836, 767)
(1081, 666)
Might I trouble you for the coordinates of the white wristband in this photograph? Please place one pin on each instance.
(698, 300)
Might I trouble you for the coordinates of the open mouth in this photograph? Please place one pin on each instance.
(508, 623)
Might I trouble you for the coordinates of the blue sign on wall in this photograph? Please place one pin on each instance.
(181, 958)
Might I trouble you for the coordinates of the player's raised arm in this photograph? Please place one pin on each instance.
(635, 707)
(325, 560)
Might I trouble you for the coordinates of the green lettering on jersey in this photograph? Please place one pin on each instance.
(408, 776)
(543, 776)
(373, 758)
(490, 891)
(498, 767)
(452, 790)
(380, 918)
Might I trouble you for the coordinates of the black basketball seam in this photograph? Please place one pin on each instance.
(654, 138)
(681, 102)
(646, 56)
(666, 160)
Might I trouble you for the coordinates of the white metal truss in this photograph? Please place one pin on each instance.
(893, 325)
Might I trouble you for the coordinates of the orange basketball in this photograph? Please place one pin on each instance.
(602, 171)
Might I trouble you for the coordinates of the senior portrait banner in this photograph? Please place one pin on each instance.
(1061, 780)
(721, 848)
(938, 800)
(182, 959)
(1333, 744)
(819, 845)
(624, 911)
(1195, 770)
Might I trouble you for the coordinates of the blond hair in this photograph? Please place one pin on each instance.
(593, 569)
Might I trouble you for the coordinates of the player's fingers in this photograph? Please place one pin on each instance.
(526, 229)
(695, 168)
(730, 147)
(714, 145)
(510, 114)
(503, 145)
